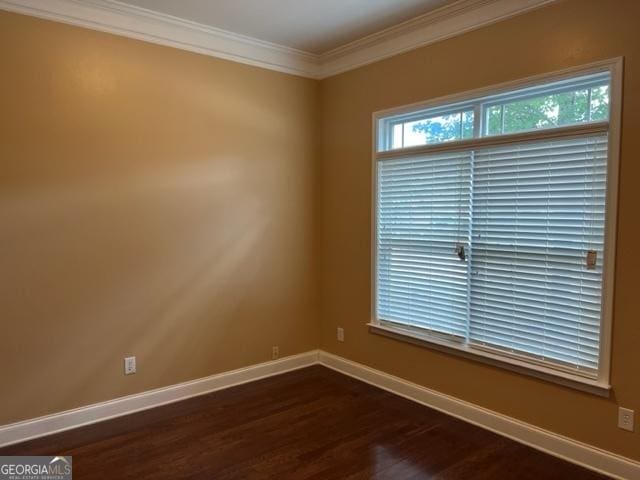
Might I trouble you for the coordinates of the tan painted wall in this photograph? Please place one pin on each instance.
(152, 202)
(165, 204)
(561, 35)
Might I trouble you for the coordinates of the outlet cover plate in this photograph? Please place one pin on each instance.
(129, 365)
(626, 419)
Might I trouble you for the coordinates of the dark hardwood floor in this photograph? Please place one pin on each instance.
(308, 424)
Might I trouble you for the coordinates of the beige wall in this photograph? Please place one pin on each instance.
(153, 202)
(561, 35)
(168, 205)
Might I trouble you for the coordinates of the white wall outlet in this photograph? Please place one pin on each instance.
(129, 365)
(340, 334)
(275, 352)
(626, 419)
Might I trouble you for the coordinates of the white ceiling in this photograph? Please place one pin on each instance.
(253, 32)
(314, 26)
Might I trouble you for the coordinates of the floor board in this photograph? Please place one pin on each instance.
(309, 424)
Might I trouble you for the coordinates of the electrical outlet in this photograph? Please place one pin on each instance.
(626, 419)
(340, 334)
(129, 365)
(275, 352)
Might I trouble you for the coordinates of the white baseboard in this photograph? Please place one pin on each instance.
(557, 445)
(41, 426)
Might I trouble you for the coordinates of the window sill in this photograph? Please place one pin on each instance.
(572, 381)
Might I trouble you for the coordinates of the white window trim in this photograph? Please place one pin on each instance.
(601, 385)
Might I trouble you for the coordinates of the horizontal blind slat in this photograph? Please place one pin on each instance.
(538, 208)
(423, 213)
(532, 211)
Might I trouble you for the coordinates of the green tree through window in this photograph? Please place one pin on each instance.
(554, 110)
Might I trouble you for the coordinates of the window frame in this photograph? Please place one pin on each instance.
(461, 102)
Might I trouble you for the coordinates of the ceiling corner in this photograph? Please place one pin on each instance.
(123, 19)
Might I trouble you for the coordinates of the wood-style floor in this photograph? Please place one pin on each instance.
(308, 424)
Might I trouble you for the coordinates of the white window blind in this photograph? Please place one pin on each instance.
(423, 213)
(493, 242)
(538, 212)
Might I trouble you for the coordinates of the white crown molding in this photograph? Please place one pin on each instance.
(142, 24)
(552, 443)
(442, 23)
(122, 19)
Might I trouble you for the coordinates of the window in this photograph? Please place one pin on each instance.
(435, 128)
(581, 101)
(494, 221)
